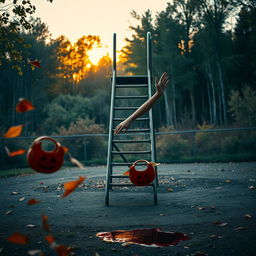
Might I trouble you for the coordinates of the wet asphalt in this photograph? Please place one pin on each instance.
(212, 203)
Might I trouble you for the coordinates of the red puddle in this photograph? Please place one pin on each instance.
(147, 237)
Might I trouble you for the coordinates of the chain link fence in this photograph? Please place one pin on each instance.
(231, 144)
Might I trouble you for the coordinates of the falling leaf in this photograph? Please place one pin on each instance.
(8, 212)
(14, 193)
(154, 164)
(45, 223)
(224, 224)
(170, 189)
(127, 173)
(251, 187)
(22, 199)
(76, 162)
(18, 238)
(227, 181)
(218, 188)
(65, 149)
(240, 229)
(70, 186)
(248, 216)
(34, 63)
(200, 208)
(96, 254)
(15, 153)
(33, 201)
(35, 252)
(50, 239)
(199, 253)
(14, 131)
(30, 226)
(24, 106)
(63, 250)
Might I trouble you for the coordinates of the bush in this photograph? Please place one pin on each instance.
(172, 147)
(96, 147)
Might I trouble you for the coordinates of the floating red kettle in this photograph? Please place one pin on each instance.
(45, 161)
(142, 178)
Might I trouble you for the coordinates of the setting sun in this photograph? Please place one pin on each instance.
(97, 53)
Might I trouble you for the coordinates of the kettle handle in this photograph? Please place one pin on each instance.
(57, 144)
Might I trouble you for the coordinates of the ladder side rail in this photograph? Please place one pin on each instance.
(149, 72)
(151, 122)
(110, 132)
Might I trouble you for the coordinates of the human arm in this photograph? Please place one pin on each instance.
(146, 106)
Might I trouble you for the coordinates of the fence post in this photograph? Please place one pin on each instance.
(85, 150)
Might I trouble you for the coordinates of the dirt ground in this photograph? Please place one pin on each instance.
(212, 203)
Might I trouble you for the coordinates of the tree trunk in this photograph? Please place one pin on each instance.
(191, 94)
(222, 91)
(214, 110)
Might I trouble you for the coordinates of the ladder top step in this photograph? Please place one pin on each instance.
(132, 86)
(131, 80)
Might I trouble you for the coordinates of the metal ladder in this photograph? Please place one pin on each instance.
(139, 136)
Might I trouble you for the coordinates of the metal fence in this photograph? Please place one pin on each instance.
(229, 144)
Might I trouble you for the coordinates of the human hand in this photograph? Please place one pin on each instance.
(162, 83)
(123, 126)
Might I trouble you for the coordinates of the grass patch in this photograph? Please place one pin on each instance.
(15, 172)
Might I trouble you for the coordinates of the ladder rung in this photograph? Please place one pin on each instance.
(137, 130)
(131, 80)
(131, 152)
(125, 108)
(132, 86)
(138, 119)
(131, 97)
(127, 184)
(131, 141)
(119, 176)
(125, 164)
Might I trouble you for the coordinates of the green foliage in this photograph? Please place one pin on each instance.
(65, 109)
(243, 105)
(95, 146)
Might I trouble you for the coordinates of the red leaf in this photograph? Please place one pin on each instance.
(34, 63)
(18, 238)
(127, 173)
(33, 201)
(14, 131)
(24, 106)
(45, 223)
(70, 186)
(62, 250)
(50, 239)
(15, 153)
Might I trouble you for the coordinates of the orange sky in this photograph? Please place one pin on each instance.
(74, 18)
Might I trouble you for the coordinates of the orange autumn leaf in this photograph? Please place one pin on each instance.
(33, 201)
(154, 164)
(14, 131)
(15, 153)
(24, 106)
(62, 250)
(50, 239)
(65, 149)
(18, 238)
(127, 173)
(70, 186)
(45, 223)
